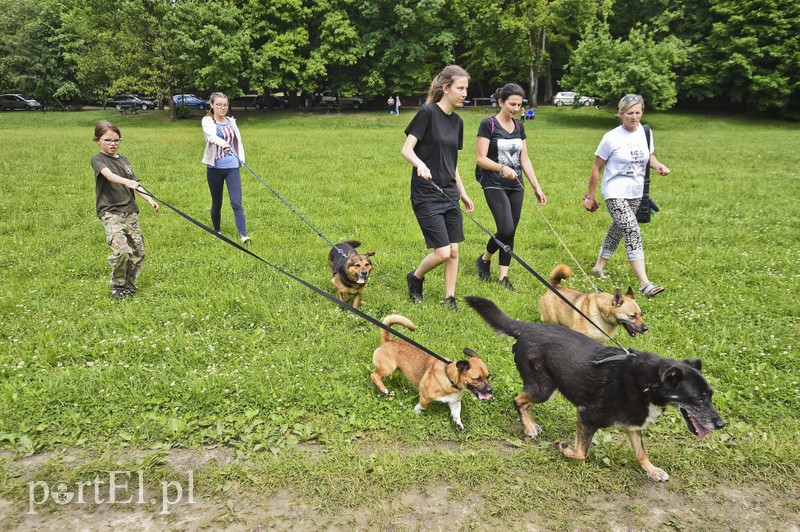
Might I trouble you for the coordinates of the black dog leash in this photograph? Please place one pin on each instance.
(544, 281)
(305, 283)
(288, 205)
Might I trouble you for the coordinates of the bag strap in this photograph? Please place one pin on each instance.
(647, 164)
(517, 128)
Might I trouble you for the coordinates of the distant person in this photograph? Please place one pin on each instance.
(530, 114)
(114, 184)
(223, 156)
(502, 158)
(434, 137)
(522, 113)
(624, 154)
(390, 104)
(397, 105)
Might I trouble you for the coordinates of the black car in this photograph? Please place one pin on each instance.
(274, 103)
(19, 102)
(130, 101)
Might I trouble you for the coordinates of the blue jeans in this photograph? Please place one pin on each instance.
(217, 178)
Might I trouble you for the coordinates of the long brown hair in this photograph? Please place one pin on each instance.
(445, 78)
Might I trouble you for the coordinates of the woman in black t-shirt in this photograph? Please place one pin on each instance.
(433, 139)
(502, 158)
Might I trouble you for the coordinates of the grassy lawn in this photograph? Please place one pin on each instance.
(219, 350)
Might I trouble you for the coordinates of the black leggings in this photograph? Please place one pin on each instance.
(506, 207)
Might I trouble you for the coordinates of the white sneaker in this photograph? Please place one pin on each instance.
(245, 239)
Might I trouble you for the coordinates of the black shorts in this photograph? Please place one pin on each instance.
(441, 224)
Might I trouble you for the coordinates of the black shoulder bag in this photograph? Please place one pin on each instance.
(648, 207)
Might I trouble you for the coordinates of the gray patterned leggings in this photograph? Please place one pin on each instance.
(623, 225)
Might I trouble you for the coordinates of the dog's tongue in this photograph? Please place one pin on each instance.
(484, 396)
(361, 280)
(702, 432)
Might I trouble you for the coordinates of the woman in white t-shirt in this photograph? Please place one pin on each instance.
(624, 153)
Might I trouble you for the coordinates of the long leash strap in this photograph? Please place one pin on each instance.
(544, 281)
(541, 212)
(305, 283)
(289, 206)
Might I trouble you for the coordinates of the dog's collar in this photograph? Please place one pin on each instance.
(453, 384)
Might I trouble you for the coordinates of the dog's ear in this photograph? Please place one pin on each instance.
(629, 293)
(369, 253)
(671, 376)
(617, 298)
(696, 363)
(469, 352)
(462, 366)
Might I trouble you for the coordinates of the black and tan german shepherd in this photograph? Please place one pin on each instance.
(628, 392)
(350, 270)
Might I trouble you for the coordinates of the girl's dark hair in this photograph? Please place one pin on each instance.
(508, 90)
(446, 77)
(102, 126)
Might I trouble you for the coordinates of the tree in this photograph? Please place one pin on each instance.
(608, 68)
(751, 56)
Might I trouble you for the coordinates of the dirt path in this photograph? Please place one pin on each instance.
(434, 508)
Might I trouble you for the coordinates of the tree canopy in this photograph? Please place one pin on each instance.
(742, 52)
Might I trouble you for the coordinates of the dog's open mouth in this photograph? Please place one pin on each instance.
(630, 328)
(483, 396)
(694, 426)
(362, 277)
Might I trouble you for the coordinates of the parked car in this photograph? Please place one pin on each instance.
(568, 98)
(329, 98)
(19, 102)
(262, 102)
(190, 100)
(493, 101)
(122, 101)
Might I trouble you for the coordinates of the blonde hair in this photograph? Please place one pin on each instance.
(628, 101)
(445, 78)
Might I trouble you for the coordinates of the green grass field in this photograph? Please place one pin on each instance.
(219, 349)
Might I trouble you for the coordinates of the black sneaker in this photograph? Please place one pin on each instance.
(450, 302)
(414, 287)
(120, 293)
(505, 283)
(483, 268)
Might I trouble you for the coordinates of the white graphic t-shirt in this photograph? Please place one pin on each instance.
(626, 155)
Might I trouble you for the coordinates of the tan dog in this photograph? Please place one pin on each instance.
(435, 380)
(606, 310)
(350, 270)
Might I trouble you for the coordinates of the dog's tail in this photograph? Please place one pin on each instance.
(392, 319)
(492, 315)
(333, 252)
(561, 272)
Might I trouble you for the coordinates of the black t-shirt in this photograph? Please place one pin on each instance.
(504, 148)
(439, 137)
(113, 197)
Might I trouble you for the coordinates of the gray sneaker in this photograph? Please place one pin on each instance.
(414, 287)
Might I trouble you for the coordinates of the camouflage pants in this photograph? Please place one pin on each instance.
(127, 248)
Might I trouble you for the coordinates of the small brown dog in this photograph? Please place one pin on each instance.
(606, 310)
(435, 380)
(350, 270)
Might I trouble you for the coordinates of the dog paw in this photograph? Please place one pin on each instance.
(534, 431)
(659, 475)
(459, 426)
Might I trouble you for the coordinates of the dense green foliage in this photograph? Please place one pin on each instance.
(711, 50)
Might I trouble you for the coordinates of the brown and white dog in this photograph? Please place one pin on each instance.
(350, 270)
(435, 380)
(606, 310)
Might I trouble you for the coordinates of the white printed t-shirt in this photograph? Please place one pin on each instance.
(626, 156)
